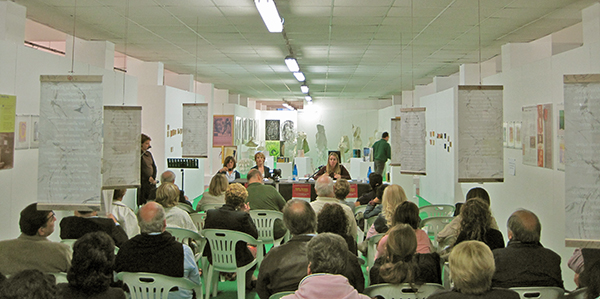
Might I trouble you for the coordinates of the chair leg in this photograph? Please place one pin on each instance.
(215, 279)
(241, 284)
(208, 282)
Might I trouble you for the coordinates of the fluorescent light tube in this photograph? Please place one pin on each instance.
(292, 64)
(268, 12)
(299, 76)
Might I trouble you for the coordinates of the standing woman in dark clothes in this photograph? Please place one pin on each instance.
(148, 182)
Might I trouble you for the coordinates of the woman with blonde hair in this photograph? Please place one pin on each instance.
(334, 169)
(265, 171)
(393, 196)
(400, 262)
(167, 195)
(215, 193)
(471, 269)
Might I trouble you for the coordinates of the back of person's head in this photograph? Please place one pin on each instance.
(332, 219)
(590, 278)
(324, 186)
(167, 195)
(229, 159)
(151, 218)
(401, 246)
(375, 180)
(393, 196)
(254, 174)
(408, 213)
(476, 219)
(33, 219)
(480, 193)
(236, 195)
(119, 193)
(93, 262)
(524, 226)
(299, 217)
(218, 184)
(168, 177)
(29, 284)
(379, 191)
(325, 254)
(472, 267)
(385, 134)
(341, 189)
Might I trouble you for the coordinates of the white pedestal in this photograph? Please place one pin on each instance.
(304, 166)
(359, 168)
(286, 170)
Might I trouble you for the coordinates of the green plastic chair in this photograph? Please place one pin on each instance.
(437, 210)
(577, 294)
(264, 220)
(359, 212)
(280, 294)
(433, 226)
(372, 248)
(540, 292)
(186, 236)
(151, 285)
(402, 291)
(60, 277)
(198, 219)
(222, 246)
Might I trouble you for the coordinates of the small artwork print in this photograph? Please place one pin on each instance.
(222, 130)
(273, 147)
(272, 129)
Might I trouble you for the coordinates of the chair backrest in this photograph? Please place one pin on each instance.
(265, 222)
(280, 294)
(152, 285)
(360, 209)
(434, 225)
(69, 242)
(198, 219)
(437, 210)
(368, 223)
(60, 277)
(577, 294)
(222, 246)
(372, 248)
(186, 236)
(402, 291)
(210, 206)
(540, 292)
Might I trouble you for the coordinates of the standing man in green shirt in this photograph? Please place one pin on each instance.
(265, 197)
(382, 151)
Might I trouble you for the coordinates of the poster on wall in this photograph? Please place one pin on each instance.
(223, 130)
(560, 137)
(8, 105)
(537, 135)
(511, 134)
(34, 132)
(70, 136)
(395, 141)
(272, 129)
(121, 151)
(480, 133)
(195, 130)
(505, 134)
(518, 139)
(412, 141)
(237, 131)
(22, 123)
(582, 138)
(273, 147)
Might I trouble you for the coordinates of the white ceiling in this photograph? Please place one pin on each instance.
(346, 48)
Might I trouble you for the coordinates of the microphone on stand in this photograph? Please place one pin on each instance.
(315, 173)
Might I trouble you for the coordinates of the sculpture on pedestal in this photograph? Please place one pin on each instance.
(321, 145)
(343, 147)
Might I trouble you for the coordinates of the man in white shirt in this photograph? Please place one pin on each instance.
(124, 215)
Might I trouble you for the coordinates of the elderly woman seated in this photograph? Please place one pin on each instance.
(167, 195)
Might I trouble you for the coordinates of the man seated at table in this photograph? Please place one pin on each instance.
(265, 197)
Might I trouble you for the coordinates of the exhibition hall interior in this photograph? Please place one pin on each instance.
(473, 93)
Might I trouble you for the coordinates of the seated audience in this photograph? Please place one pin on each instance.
(259, 158)
(332, 219)
(229, 169)
(32, 249)
(167, 195)
(375, 180)
(265, 197)
(285, 266)
(407, 213)
(325, 270)
(525, 262)
(392, 197)
(234, 216)
(334, 169)
(325, 195)
(450, 232)
(92, 269)
(74, 227)
(169, 177)
(400, 263)
(374, 206)
(471, 269)
(155, 250)
(215, 193)
(124, 215)
(590, 278)
(475, 225)
(29, 284)
(580, 257)
(341, 188)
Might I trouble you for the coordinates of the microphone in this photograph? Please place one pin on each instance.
(315, 173)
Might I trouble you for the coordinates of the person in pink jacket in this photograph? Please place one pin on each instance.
(407, 213)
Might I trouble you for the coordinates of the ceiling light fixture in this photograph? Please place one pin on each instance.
(308, 98)
(299, 76)
(292, 64)
(268, 12)
(304, 88)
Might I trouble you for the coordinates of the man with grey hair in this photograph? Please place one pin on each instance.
(169, 177)
(285, 266)
(325, 195)
(156, 251)
(525, 262)
(325, 268)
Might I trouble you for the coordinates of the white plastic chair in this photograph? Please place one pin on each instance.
(540, 292)
(184, 236)
(60, 277)
(361, 230)
(437, 210)
(402, 291)
(210, 206)
(433, 226)
(198, 219)
(151, 285)
(372, 248)
(222, 246)
(264, 220)
(577, 294)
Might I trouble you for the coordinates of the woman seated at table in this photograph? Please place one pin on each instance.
(215, 193)
(229, 169)
(259, 158)
(400, 262)
(334, 169)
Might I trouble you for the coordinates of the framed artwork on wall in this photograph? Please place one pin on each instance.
(223, 130)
